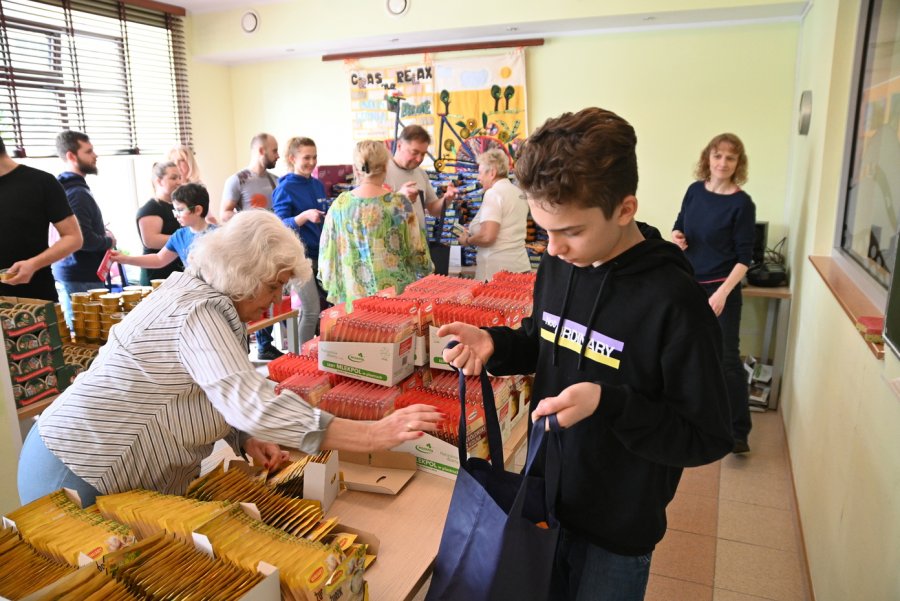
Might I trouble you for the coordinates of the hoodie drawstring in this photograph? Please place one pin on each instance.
(590, 321)
(562, 316)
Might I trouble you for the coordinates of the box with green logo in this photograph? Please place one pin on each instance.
(379, 363)
(441, 458)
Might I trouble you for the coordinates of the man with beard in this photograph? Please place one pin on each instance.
(78, 271)
(252, 188)
(30, 200)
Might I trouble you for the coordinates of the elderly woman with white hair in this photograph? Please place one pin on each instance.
(498, 229)
(175, 377)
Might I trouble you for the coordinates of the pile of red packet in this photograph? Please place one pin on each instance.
(309, 386)
(369, 326)
(359, 400)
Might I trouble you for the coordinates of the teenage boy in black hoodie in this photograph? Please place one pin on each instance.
(640, 398)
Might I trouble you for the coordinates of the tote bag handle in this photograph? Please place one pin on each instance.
(492, 424)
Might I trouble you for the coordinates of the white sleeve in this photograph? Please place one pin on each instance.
(218, 363)
(490, 207)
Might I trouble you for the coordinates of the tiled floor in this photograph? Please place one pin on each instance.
(733, 529)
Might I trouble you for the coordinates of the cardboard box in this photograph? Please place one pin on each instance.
(379, 363)
(420, 350)
(321, 481)
(437, 457)
(436, 346)
(384, 472)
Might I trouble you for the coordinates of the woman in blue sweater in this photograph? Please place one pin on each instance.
(296, 202)
(715, 228)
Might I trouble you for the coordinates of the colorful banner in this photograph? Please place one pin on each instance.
(374, 118)
(470, 105)
(480, 103)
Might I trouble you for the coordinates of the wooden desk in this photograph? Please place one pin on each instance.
(408, 526)
(777, 315)
(293, 329)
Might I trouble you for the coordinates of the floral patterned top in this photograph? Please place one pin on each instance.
(369, 244)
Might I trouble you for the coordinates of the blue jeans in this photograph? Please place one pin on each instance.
(67, 288)
(733, 367)
(263, 338)
(586, 572)
(41, 473)
(310, 309)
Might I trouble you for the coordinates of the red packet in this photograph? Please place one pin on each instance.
(105, 266)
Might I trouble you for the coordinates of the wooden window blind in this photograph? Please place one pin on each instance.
(113, 70)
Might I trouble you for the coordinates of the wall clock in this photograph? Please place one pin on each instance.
(250, 21)
(397, 8)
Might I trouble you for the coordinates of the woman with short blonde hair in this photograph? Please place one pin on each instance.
(371, 238)
(175, 377)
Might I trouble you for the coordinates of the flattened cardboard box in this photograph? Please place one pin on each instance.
(384, 472)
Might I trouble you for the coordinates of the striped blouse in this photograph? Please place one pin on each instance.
(173, 379)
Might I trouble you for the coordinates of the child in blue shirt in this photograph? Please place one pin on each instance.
(190, 204)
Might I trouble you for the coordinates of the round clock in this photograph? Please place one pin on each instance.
(250, 21)
(397, 8)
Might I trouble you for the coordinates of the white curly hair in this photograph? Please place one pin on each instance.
(251, 249)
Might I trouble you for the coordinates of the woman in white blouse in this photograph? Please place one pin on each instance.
(498, 229)
(175, 377)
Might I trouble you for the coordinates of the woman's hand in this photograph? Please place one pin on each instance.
(265, 454)
(679, 239)
(572, 405)
(475, 347)
(717, 301)
(404, 424)
(309, 216)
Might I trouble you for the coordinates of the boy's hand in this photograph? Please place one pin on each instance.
(679, 239)
(474, 349)
(572, 405)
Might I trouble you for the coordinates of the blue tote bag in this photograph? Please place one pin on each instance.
(500, 536)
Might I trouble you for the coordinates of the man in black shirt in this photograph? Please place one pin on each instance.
(31, 200)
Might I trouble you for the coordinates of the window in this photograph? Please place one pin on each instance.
(871, 221)
(113, 70)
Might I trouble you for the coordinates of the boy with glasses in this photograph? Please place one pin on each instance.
(190, 204)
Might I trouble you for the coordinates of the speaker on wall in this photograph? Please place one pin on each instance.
(759, 241)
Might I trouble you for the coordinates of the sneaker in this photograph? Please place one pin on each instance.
(268, 353)
(740, 446)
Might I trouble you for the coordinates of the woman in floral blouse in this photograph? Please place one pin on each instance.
(371, 239)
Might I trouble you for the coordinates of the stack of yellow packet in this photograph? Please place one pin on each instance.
(58, 528)
(87, 584)
(22, 569)
(149, 513)
(289, 479)
(300, 517)
(163, 567)
(308, 570)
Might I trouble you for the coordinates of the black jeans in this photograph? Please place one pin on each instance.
(735, 376)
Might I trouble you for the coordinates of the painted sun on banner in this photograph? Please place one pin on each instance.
(370, 89)
(480, 105)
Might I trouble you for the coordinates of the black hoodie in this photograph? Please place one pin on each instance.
(655, 349)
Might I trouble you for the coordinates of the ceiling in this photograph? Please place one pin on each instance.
(787, 10)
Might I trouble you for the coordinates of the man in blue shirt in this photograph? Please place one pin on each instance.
(78, 271)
